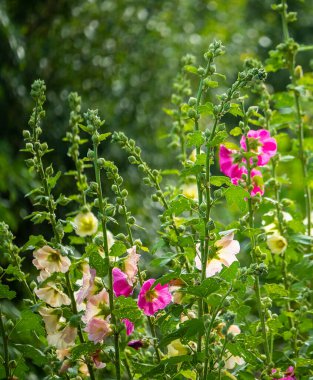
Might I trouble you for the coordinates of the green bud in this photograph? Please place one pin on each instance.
(192, 102)
(90, 154)
(154, 198)
(26, 134)
(201, 71)
(132, 160)
(131, 220)
(192, 113)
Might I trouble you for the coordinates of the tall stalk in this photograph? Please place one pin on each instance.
(291, 61)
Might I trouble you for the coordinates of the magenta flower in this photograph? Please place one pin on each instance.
(152, 300)
(129, 326)
(121, 283)
(228, 165)
(262, 143)
(290, 374)
(256, 181)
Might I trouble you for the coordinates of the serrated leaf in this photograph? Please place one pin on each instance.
(83, 349)
(5, 292)
(195, 139)
(275, 290)
(52, 181)
(206, 109)
(236, 198)
(207, 287)
(96, 261)
(118, 249)
(126, 307)
(178, 206)
(220, 180)
(235, 110)
(218, 138)
(33, 353)
(186, 331)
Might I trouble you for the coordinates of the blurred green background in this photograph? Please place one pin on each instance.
(121, 57)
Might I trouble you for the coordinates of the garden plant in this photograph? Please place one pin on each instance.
(225, 289)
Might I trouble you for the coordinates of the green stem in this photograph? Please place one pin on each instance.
(254, 259)
(107, 259)
(5, 347)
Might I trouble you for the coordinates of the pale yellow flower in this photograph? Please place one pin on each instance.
(52, 295)
(190, 191)
(234, 330)
(232, 361)
(86, 224)
(277, 243)
(193, 155)
(176, 348)
(50, 260)
(227, 249)
(51, 319)
(131, 263)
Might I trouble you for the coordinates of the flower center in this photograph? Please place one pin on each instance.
(54, 257)
(151, 295)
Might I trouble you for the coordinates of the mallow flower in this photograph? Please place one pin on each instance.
(97, 329)
(129, 326)
(277, 243)
(86, 224)
(152, 300)
(224, 253)
(52, 295)
(50, 260)
(261, 143)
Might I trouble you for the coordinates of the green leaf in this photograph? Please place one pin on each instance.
(236, 198)
(83, 349)
(96, 261)
(206, 109)
(236, 131)
(186, 331)
(195, 139)
(218, 138)
(220, 180)
(28, 328)
(236, 111)
(5, 292)
(52, 181)
(104, 136)
(211, 83)
(275, 290)
(118, 249)
(126, 307)
(84, 128)
(207, 287)
(178, 206)
(28, 351)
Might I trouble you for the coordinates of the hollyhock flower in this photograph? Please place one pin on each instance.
(256, 181)
(96, 360)
(152, 300)
(129, 326)
(98, 305)
(62, 353)
(176, 348)
(97, 329)
(63, 338)
(121, 283)
(87, 284)
(52, 295)
(227, 163)
(136, 344)
(190, 191)
(51, 318)
(226, 250)
(277, 243)
(131, 264)
(51, 260)
(234, 330)
(261, 143)
(232, 361)
(86, 224)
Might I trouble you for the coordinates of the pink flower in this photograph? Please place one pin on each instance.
(261, 143)
(89, 275)
(136, 344)
(97, 329)
(121, 283)
(96, 360)
(227, 163)
(129, 326)
(227, 249)
(152, 300)
(256, 181)
(98, 305)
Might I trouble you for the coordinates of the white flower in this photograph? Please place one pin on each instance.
(190, 191)
(227, 249)
(176, 348)
(86, 224)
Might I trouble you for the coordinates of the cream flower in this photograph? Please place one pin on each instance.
(51, 319)
(97, 306)
(176, 348)
(234, 330)
(50, 260)
(232, 361)
(86, 224)
(62, 339)
(52, 295)
(190, 191)
(277, 243)
(227, 249)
